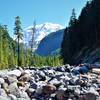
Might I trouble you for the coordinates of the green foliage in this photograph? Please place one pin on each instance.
(13, 53)
(19, 35)
(6, 52)
(47, 61)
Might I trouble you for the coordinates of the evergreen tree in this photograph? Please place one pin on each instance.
(19, 35)
(69, 39)
(82, 35)
(22, 54)
(5, 46)
(1, 55)
(72, 18)
(11, 59)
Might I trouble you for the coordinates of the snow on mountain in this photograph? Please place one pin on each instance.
(42, 30)
(51, 44)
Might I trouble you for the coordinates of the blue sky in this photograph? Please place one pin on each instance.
(55, 11)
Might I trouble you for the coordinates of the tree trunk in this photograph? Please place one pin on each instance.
(18, 53)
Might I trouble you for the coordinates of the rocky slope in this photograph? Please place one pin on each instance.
(88, 55)
(49, 83)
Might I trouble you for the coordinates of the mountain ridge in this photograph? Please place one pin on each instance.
(50, 43)
(42, 30)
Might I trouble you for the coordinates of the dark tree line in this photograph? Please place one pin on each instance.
(82, 33)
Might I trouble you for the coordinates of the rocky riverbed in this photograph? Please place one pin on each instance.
(49, 83)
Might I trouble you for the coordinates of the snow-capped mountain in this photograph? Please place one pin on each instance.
(42, 30)
(51, 44)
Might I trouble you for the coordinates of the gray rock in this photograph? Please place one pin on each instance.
(93, 90)
(24, 95)
(49, 83)
(61, 95)
(39, 90)
(13, 89)
(48, 89)
(12, 97)
(4, 98)
(33, 84)
(89, 96)
(3, 93)
(10, 79)
(30, 92)
(54, 81)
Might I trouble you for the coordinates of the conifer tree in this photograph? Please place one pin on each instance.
(5, 46)
(19, 35)
(69, 39)
(1, 55)
(72, 18)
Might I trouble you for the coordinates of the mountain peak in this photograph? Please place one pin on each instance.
(42, 30)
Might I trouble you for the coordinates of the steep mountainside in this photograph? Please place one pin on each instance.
(81, 42)
(50, 43)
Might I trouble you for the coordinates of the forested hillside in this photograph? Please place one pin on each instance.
(14, 53)
(82, 36)
(8, 49)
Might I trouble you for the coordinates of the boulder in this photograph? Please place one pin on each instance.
(5, 87)
(3, 93)
(12, 97)
(15, 72)
(90, 96)
(13, 89)
(4, 98)
(96, 70)
(30, 92)
(81, 97)
(10, 79)
(24, 95)
(24, 77)
(33, 84)
(20, 83)
(61, 95)
(2, 80)
(49, 89)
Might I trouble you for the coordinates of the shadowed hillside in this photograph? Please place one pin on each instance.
(82, 37)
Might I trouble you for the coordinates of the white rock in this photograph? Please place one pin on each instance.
(54, 81)
(3, 73)
(12, 97)
(92, 90)
(4, 98)
(24, 95)
(12, 79)
(1, 81)
(27, 71)
(50, 71)
(15, 72)
(14, 89)
(3, 93)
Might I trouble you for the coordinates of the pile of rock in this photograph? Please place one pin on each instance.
(49, 83)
